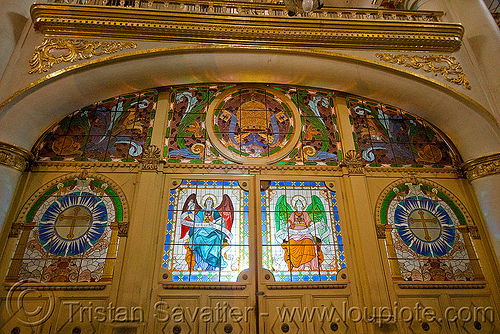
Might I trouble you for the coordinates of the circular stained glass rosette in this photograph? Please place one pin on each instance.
(253, 125)
(424, 226)
(73, 223)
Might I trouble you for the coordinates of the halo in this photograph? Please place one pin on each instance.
(297, 198)
(212, 196)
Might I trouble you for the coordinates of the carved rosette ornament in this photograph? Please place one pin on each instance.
(353, 162)
(446, 66)
(150, 157)
(482, 166)
(15, 157)
(57, 50)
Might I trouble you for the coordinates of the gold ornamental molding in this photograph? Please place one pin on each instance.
(302, 32)
(446, 66)
(482, 166)
(15, 157)
(53, 51)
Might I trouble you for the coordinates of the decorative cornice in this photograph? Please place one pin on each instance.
(59, 287)
(482, 166)
(178, 26)
(445, 66)
(444, 285)
(306, 286)
(15, 157)
(180, 286)
(56, 50)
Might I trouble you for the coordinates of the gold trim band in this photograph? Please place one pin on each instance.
(15, 157)
(178, 26)
(482, 166)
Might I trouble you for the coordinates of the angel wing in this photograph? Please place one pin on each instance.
(283, 211)
(316, 211)
(185, 208)
(226, 210)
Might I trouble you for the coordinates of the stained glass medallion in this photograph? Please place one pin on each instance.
(207, 231)
(301, 232)
(253, 125)
(72, 234)
(425, 231)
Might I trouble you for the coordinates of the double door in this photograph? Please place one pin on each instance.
(253, 254)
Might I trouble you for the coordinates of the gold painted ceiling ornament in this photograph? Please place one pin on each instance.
(56, 50)
(446, 66)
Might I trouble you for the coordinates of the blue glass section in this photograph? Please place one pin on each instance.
(305, 278)
(336, 214)
(167, 239)
(342, 257)
(193, 182)
(339, 239)
(343, 265)
(219, 183)
(333, 278)
(204, 278)
(297, 184)
(227, 183)
(183, 182)
(246, 215)
(337, 227)
(169, 226)
(315, 278)
(210, 183)
(170, 213)
(281, 183)
(341, 248)
(288, 184)
(322, 184)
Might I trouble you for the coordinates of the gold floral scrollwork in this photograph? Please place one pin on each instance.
(446, 66)
(150, 157)
(15, 229)
(482, 166)
(353, 162)
(56, 50)
(380, 231)
(15, 157)
(123, 229)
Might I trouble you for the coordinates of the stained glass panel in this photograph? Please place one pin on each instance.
(301, 232)
(207, 231)
(388, 136)
(70, 237)
(425, 231)
(252, 123)
(116, 129)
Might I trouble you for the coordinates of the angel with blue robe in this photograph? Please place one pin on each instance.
(208, 232)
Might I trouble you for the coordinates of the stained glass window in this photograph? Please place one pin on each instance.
(301, 233)
(426, 237)
(388, 136)
(70, 234)
(116, 129)
(252, 123)
(207, 231)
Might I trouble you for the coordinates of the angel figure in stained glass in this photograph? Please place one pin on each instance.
(207, 231)
(301, 232)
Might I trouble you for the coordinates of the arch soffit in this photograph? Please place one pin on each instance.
(21, 217)
(54, 96)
